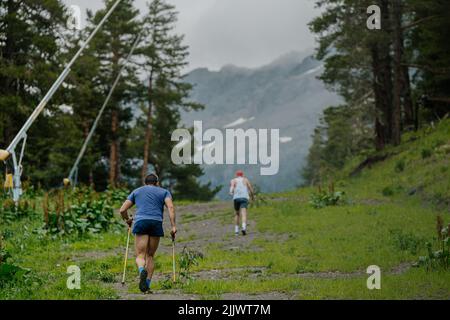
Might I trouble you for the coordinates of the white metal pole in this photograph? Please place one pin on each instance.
(21, 135)
(57, 83)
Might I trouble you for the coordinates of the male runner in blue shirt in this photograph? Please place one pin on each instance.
(148, 228)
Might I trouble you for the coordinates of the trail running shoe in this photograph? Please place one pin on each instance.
(244, 232)
(143, 286)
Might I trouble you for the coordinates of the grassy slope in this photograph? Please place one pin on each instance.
(350, 238)
(344, 239)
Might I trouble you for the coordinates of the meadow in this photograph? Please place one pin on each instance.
(309, 243)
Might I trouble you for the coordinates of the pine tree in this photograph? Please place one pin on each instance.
(165, 57)
(30, 61)
(164, 96)
(112, 45)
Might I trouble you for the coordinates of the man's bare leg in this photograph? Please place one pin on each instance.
(236, 222)
(141, 248)
(244, 220)
(152, 247)
(141, 244)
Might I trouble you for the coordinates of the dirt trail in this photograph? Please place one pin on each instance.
(203, 224)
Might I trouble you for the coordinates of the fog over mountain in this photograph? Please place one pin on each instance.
(284, 95)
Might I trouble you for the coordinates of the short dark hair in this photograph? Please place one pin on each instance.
(152, 178)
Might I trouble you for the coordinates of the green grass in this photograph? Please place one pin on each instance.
(415, 284)
(390, 214)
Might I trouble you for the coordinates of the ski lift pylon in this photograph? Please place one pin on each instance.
(22, 135)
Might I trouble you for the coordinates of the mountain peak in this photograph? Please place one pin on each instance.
(291, 58)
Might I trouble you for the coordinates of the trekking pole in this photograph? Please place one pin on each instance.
(126, 256)
(173, 259)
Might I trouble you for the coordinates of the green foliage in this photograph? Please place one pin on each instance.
(188, 258)
(400, 165)
(406, 241)
(30, 60)
(392, 190)
(115, 196)
(260, 199)
(401, 98)
(9, 212)
(438, 259)
(188, 187)
(335, 141)
(324, 199)
(89, 217)
(426, 153)
(10, 273)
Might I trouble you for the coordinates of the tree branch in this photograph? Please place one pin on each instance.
(415, 23)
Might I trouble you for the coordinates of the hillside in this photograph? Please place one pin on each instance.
(285, 95)
(292, 251)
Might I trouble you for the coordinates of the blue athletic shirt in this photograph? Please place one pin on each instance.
(149, 201)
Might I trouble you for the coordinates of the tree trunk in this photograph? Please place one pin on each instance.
(382, 83)
(114, 150)
(398, 72)
(381, 119)
(86, 129)
(408, 106)
(148, 130)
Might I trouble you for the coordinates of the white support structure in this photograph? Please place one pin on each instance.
(21, 136)
(73, 175)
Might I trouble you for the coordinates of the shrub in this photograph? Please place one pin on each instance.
(391, 190)
(438, 259)
(115, 196)
(404, 241)
(323, 199)
(259, 199)
(10, 212)
(9, 272)
(387, 191)
(89, 217)
(187, 260)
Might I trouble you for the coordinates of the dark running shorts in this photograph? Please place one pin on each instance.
(153, 228)
(240, 203)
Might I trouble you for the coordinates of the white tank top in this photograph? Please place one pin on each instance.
(240, 190)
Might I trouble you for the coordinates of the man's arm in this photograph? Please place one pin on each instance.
(232, 186)
(124, 212)
(169, 204)
(250, 189)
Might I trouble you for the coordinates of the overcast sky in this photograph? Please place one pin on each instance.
(245, 33)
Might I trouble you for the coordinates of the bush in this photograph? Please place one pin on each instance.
(10, 273)
(115, 196)
(10, 212)
(187, 260)
(89, 217)
(389, 191)
(404, 241)
(259, 199)
(323, 199)
(438, 259)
